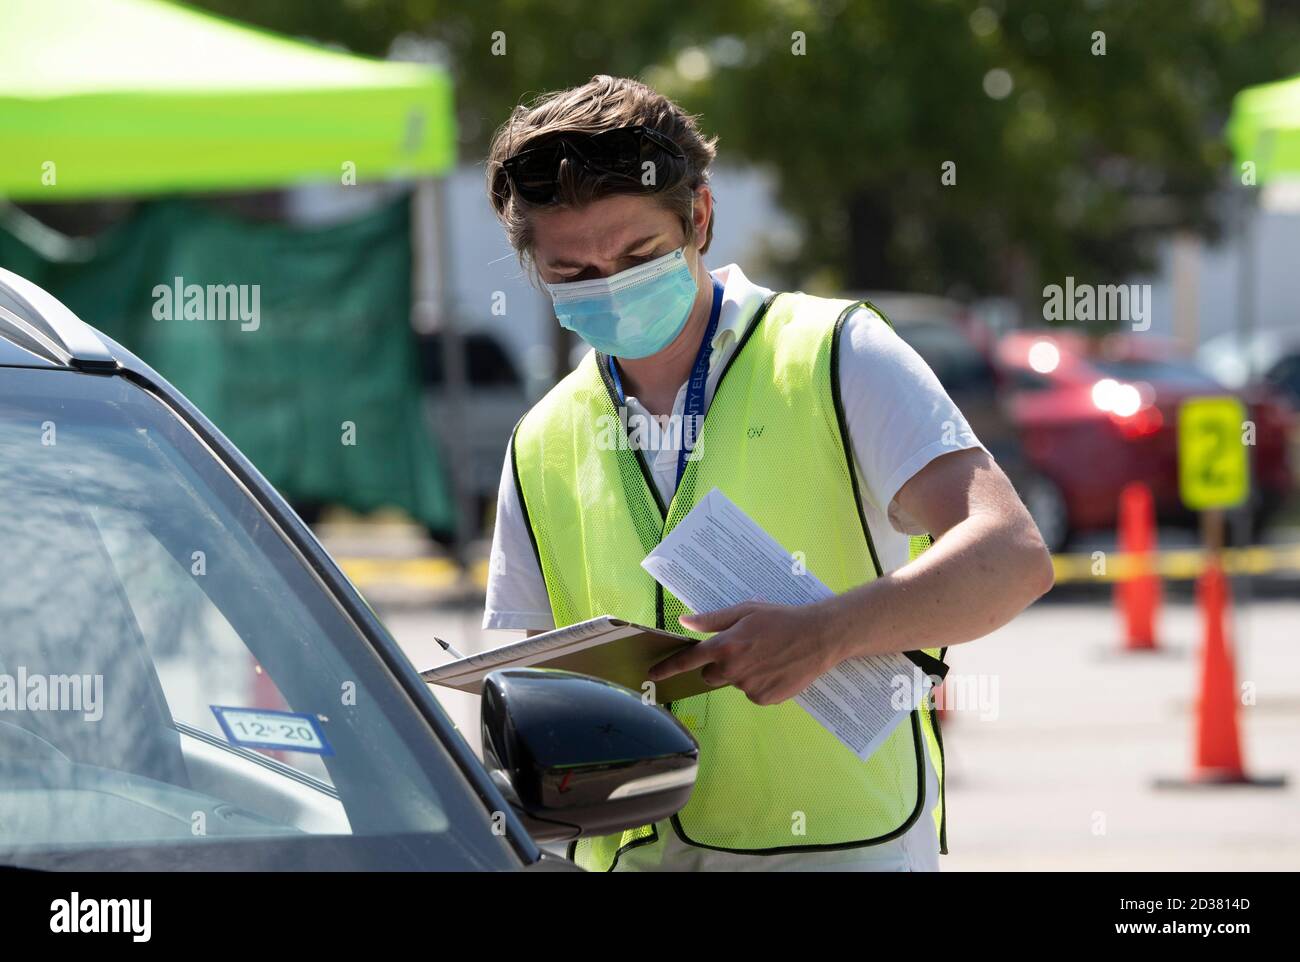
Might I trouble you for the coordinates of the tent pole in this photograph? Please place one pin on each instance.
(1246, 283)
(1241, 521)
(431, 313)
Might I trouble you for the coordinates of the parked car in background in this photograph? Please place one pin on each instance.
(1265, 368)
(1097, 413)
(1271, 357)
(214, 694)
(1284, 375)
(497, 398)
(956, 347)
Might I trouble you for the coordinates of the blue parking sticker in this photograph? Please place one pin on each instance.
(267, 728)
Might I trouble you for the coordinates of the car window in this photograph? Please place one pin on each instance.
(199, 657)
(1285, 375)
(174, 680)
(487, 365)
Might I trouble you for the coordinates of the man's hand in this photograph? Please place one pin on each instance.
(987, 564)
(770, 652)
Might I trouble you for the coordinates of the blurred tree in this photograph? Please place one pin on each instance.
(1077, 130)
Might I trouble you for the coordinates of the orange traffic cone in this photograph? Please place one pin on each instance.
(1138, 595)
(1218, 742)
(1218, 758)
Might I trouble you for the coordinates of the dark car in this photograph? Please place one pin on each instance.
(1264, 368)
(496, 398)
(187, 681)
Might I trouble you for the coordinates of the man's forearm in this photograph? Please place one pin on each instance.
(977, 577)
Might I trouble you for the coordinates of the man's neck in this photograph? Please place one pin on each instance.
(655, 380)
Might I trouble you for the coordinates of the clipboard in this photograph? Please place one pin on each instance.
(605, 647)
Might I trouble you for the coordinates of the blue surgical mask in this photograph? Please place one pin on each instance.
(631, 314)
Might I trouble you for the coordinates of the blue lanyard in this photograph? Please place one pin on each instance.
(693, 405)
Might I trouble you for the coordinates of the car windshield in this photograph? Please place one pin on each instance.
(177, 689)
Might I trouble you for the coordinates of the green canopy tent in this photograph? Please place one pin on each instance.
(102, 98)
(142, 97)
(1263, 130)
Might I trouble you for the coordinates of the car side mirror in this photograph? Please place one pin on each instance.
(576, 756)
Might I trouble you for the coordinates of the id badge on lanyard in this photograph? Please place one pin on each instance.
(693, 404)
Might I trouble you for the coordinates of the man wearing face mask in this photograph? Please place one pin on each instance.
(813, 416)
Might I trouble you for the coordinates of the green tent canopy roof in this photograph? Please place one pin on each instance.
(1265, 128)
(112, 97)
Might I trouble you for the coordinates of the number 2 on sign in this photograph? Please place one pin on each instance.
(1213, 469)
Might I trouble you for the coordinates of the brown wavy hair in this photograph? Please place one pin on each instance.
(603, 103)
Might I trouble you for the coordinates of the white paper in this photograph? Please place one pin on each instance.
(718, 556)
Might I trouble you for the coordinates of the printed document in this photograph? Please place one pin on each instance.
(718, 556)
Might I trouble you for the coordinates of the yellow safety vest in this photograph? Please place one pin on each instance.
(771, 778)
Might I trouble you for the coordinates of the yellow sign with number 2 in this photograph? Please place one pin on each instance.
(1213, 470)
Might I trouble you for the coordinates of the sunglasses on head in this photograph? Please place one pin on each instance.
(624, 152)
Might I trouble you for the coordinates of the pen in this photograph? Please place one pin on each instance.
(448, 647)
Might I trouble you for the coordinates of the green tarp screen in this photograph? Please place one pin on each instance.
(329, 358)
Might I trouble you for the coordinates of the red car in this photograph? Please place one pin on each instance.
(1097, 413)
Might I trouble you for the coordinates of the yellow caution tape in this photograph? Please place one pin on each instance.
(1174, 565)
(1099, 566)
(426, 573)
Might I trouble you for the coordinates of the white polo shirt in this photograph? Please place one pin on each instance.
(899, 419)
